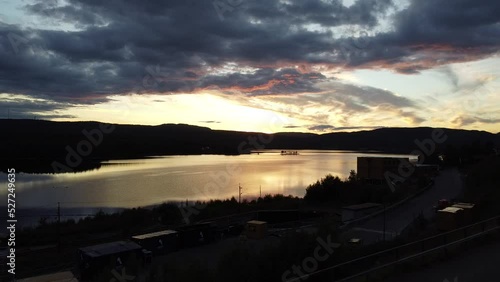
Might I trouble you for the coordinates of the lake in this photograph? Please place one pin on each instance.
(143, 182)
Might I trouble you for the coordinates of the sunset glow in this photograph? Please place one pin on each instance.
(314, 74)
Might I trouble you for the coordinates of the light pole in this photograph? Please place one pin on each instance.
(239, 197)
(239, 193)
(58, 226)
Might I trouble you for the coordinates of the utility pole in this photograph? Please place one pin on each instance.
(58, 226)
(260, 187)
(239, 197)
(239, 193)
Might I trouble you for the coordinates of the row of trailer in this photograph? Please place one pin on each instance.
(140, 249)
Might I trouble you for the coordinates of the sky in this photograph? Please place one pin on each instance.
(254, 65)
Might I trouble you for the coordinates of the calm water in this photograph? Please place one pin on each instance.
(132, 183)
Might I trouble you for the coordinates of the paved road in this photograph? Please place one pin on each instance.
(447, 185)
(480, 264)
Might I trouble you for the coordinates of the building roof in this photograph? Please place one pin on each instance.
(384, 158)
(451, 210)
(464, 205)
(256, 222)
(154, 234)
(110, 248)
(196, 226)
(427, 165)
(362, 206)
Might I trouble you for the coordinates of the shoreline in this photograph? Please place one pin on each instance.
(44, 166)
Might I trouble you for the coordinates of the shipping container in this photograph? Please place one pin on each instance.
(197, 234)
(93, 260)
(159, 243)
(469, 212)
(449, 218)
(256, 229)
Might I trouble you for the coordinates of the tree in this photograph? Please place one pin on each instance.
(353, 176)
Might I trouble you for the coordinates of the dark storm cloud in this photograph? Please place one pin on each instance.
(350, 99)
(321, 127)
(27, 66)
(26, 108)
(181, 46)
(327, 127)
(468, 120)
(334, 13)
(432, 33)
(210, 121)
(370, 96)
(344, 101)
(265, 81)
(77, 14)
(118, 40)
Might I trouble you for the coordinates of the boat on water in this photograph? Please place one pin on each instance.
(286, 153)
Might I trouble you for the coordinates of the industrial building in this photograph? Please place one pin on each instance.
(373, 169)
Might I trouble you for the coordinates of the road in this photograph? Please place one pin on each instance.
(477, 264)
(447, 185)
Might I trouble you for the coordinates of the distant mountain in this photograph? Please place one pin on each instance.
(37, 143)
(402, 139)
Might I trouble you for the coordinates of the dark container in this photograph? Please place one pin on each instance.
(93, 260)
(197, 234)
(159, 243)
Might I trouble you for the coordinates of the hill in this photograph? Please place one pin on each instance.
(33, 144)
